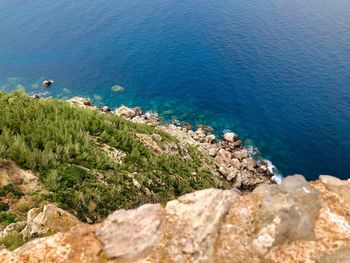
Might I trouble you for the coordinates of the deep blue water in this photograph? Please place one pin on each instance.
(275, 71)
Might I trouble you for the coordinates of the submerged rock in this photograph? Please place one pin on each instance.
(47, 83)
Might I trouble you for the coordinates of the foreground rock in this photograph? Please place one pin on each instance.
(50, 219)
(292, 222)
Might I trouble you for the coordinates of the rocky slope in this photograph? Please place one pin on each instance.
(90, 162)
(295, 221)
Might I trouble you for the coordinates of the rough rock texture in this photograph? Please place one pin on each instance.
(50, 219)
(292, 222)
(129, 234)
(27, 181)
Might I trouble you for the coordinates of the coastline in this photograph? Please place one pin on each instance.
(228, 157)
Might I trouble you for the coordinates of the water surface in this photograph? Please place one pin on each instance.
(275, 71)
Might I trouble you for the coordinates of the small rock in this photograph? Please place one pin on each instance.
(250, 163)
(223, 170)
(231, 176)
(47, 83)
(35, 96)
(50, 219)
(191, 133)
(106, 109)
(240, 154)
(187, 127)
(138, 111)
(238, 181)
(147, 115)
(262, 168)
(235, 163)
(136, 183)
(87, 102)
(230, 137)
(213, 151)
(210, 138)
(176, 122)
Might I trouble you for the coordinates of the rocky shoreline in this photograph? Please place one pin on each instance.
(227, 156)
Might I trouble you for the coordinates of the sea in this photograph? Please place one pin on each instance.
(276, 72)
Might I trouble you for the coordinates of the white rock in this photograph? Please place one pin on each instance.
(230, 137)
(125, 112)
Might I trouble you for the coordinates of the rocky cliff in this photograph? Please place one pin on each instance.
(295, 221)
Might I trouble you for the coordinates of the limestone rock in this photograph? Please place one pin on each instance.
(131, 234)
(80, 102)
(210, 138)
(240, 154)
(193, 223)
(250, 163)
(236, 163)
(50, 219)
(213, 151)
(125, 112)
(78, 245)
(12, 228)
(105, 109)
(295, 221)
(230, 137)
(222, 158)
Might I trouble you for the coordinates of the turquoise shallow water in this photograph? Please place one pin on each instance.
(277, 72)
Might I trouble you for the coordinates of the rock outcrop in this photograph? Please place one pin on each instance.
(50, 219)
(295, 221)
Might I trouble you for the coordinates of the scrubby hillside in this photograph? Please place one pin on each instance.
(90, 163)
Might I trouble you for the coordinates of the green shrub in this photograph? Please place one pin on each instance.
(4, 206)
(11, 189)
(12, 241)
(8, 217)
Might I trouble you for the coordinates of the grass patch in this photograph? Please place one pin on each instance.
(12, 241)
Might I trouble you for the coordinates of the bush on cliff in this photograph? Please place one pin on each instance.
(63, 143)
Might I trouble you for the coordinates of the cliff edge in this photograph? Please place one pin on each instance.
(295, 221)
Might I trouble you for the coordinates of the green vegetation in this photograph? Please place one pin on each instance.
(4, 206)
(63, 143)
(12, 190)
(12, 241)
(8, 217)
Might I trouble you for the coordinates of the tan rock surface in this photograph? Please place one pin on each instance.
(51, 219)
(296, 221)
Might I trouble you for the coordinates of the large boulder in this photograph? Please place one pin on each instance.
(125, 112)
(240, 154)
(128, 234)
(230, 137)
(50, 219)
(222, 158)
(295, 221)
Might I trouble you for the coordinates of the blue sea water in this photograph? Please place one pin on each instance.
(277, 72)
